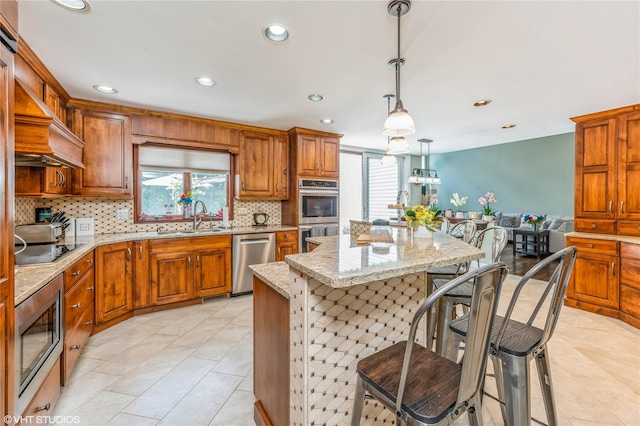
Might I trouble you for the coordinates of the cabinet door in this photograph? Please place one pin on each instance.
(595, 173)
(595, 279)
(256, 165)
(286, 243)
(330, 157)
(141, 284)
(56, 180)
(107, 154)
(171, 277)
(213, 272)
(281, 168)
(308, 155)
(6, 228)
(113, 281)
(629, 168)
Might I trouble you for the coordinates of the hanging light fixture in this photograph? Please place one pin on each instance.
(399, 122)
(396, 145)
(425, 175)
(388, 159)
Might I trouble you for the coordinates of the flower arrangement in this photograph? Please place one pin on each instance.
(458, 201)
(186, 198)
(485, 202)
(421, 216)
(533, 219)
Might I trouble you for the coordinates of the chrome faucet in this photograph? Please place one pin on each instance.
(196, 221)
(407, 200)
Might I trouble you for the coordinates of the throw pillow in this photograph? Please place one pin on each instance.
(556, 223)
(545, 224)
(509, 221)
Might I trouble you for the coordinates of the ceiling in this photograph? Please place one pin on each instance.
(539, 62)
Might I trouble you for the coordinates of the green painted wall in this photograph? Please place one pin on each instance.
(531, 176)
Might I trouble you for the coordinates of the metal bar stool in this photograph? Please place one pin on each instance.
(422, 387)
(514, 344)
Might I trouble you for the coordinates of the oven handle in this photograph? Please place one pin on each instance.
(318, 192)
(24, 244)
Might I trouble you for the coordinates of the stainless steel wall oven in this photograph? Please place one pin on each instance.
(318, 201)
(39, 340)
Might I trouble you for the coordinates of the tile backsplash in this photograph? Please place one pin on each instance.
(104, 213)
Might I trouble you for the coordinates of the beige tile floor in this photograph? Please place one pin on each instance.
(193, 366)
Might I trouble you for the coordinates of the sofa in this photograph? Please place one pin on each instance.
(556, 224)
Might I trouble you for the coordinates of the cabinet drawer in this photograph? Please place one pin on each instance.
(595, 225)
(285, 237)
(74, 342)
(45, 399)
(592, 245)
(630, 273)
(78, 301)
(74, 273)
(630, 301)
(628, 227)
(631, 251)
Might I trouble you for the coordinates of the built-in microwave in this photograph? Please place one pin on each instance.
(318, 201)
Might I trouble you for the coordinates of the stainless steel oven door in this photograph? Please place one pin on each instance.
(318, 206)
(38, 340)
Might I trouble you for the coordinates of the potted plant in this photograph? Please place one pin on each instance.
(185, 201)
(534, 220)
(458, 202)
(420, 215)
(488, 212)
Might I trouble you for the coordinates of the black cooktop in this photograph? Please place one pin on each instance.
(43, 253)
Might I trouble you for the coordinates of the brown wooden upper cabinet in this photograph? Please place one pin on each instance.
(42, 181)
(317, 153)
(107, 154)
(263, 166)
(607, 172)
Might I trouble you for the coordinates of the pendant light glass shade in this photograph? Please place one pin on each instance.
(397, 146)
(399, 123)
(388, 160)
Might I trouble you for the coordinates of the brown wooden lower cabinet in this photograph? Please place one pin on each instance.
(286, 243)
(606, 278)
(45, 399)
(114, 281)
(270, 355)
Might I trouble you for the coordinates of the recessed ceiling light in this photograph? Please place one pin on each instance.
(326, 121)
(483, 102)
(105, 89)
(315, 97)
(77, 5)
(205, 81)
(508, 126)
(276, 32)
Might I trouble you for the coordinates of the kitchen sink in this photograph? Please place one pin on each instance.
(188, 231)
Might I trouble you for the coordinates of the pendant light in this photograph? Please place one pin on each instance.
(425, 175)
(388, 159)
(399, 122)
(396, 145)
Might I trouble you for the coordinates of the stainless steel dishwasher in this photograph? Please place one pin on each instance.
(250, 249)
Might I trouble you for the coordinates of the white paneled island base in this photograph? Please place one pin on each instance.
(346, 303)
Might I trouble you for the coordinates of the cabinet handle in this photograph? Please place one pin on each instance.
(317, 166)
(89, 260)
(621, 206)
(593, 225)
(45, 407)
(130, 254)
(126, 182)
(613, 269)
(90, 288)
(590, 245)
(59, 178)
(75, 347)
(610, 206)
(140, 252)
(322, 164)
(64, 179)
(77, 305)
(278, 252)
(75, 274)
(277, 186)
(244, 186)
(197, 261)
(189, 262)
(90, 322)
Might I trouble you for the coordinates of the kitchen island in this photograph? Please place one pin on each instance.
(344, 303)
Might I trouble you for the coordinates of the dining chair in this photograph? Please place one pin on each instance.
(422, 387)
(465, 229)
(462, 294)
(445, 224)
(514, 343)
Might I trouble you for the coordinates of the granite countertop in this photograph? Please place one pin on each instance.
(611, 237)
(31, 278)
(275, 275)
(337, 264)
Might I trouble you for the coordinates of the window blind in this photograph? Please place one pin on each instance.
(185, 160)
(383, 189)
